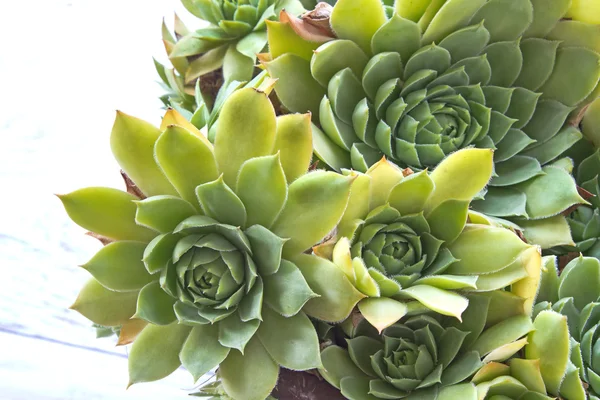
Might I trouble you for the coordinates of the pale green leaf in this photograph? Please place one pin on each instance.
(246, 129)
(251, 376)
(107, 212)
(119, 266)
(104, 307)
(155, 352)
(316, 203)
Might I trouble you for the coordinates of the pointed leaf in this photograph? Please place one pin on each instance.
(460, 176)
(218, 201)
(163, 213)
(294, 144)
(202, 350)
(484, 249)
(286, 291)
(155, 305)
(550, 344)
(107, 212)
(382, 312)
(262, 187)
(104, 307)
(118, 266)
(316, 203)
(155, 352)
(337, 295)
(235, 333)
(438, 300)
(246, 129)
(186, 160)
(251, 376)
(132, 143)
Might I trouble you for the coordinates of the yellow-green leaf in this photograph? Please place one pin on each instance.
(107, 212)
(132, 142)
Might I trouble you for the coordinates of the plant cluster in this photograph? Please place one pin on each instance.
(403, 202)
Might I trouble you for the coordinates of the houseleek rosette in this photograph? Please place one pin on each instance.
(203, 263)
(404, 246)
(235, 34)
(575, 295)
(428, 356)
(437, 76)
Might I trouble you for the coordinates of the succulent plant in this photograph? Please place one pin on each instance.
(404, 246)
(438, 76)
(222, 52)
(428, 356)
(575, 295)
(204, 261)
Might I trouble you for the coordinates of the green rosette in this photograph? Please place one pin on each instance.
(198, 270)
(427, 78)
(427, 357)
(403, 246)
(222, 52)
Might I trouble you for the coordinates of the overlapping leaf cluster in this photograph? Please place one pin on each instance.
(424, 79)
(223, 51)
(412, 268)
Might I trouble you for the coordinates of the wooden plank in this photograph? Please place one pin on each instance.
(38, 369)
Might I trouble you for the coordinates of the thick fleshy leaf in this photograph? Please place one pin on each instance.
(284, 40)
(346, 25)
(410, 195)
(356, 388)
(316, 203)
(218, 201)
(452, 14)
(262, 187)
(502, 334)
(186, 160)
(104, 307)
(107, 212)
(292, 342)
(251, 376)
(548, 232)
(460, 176)
(337, 364)
(235, 333)
(448, 219)
(484, 249)
(382, 312)
(286, 291)
(202, 351)
(527, 288)
(119, 266)
(550, 344)
(266, 248)
(295, 87)
(159, 252)
(550, 194)
(580, 280)
(155, 305)
(163, 213)
(384, 177)
(155, 352)
(438, 300)
(132, 143)
(246, 129)
(294, 144)
(337, 296)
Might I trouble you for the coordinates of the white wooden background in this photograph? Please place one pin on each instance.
(65, 67)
